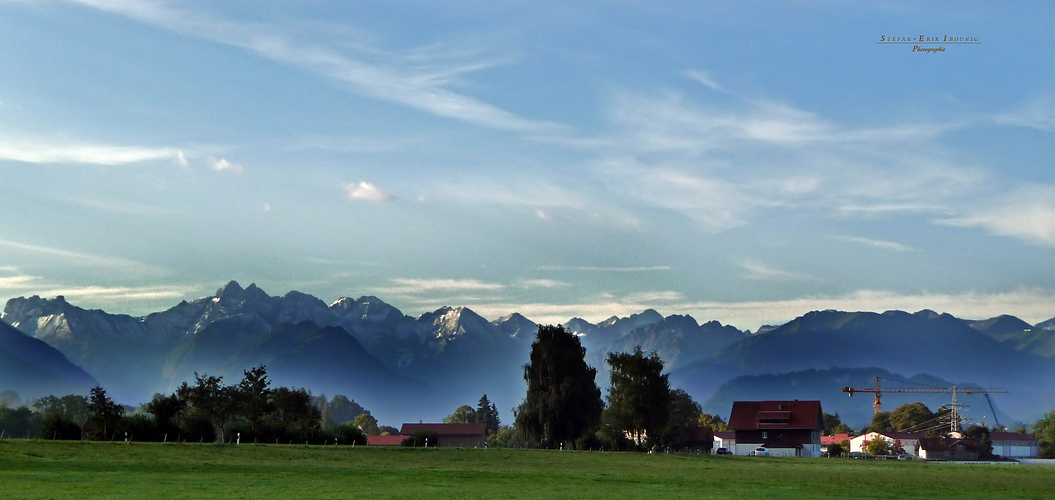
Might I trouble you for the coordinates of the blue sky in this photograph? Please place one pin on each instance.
(739, 161)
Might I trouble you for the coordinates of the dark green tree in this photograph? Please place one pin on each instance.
(487, 413)
(294, 409)
(105, 413)
(639, 396)
(71, 407)
(212, 400)
(165, 409)
(834, 425)
(835, 450)
(254, 397)
(683, 420)
(880, 423)
(912, 417)
(562, 401)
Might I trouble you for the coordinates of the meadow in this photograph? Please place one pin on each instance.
(48, 469)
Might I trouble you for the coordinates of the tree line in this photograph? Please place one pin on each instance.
(206, 410)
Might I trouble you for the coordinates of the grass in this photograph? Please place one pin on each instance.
(44, 469)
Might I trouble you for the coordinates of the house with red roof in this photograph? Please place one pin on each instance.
(784, 428)
(827, 441)
(450, 435)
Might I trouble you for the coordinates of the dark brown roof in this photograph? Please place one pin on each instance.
(1010, 436)
(725, 434)
(445, 429)
(753, 415)
(945, 444)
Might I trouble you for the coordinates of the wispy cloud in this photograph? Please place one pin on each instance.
(1027, 214)
(705, 79)
(14, 282)
(83, 259)
(367, 192)
(759, 271)
(1038, 113)
(416, 84)
(881, 244)
(28, 150)
(541, 283)
(604, 269)
(224, 165)
(404, 286)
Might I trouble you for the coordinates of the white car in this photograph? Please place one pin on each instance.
(759, 452)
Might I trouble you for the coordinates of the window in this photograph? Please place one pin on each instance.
(763, 434)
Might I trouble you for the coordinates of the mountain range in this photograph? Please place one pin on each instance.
(406, 369)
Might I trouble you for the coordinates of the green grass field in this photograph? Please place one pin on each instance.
(42, 469)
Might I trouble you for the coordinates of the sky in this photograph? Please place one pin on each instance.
(745, 162)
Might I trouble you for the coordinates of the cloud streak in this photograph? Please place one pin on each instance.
(48, 152)
(881, 244)
(422, 88)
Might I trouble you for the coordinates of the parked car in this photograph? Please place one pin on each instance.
(860, 455)
(723, 451)
(759, 452)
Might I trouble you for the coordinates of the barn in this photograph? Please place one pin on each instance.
(784, 428)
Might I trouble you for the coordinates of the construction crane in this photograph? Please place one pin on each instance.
(878, 391)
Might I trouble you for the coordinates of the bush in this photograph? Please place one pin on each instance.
(349, 433)
(196, 428)
(835, 450)
(56, 427)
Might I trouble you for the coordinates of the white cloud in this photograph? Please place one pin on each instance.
(223, 165)
(541, 283)
(418, 286)
(37, 151)
(266, 207)
(1027, 214)
(758, 271)
(367, 192)
(181, 159)
(885, 245)
(604, 269)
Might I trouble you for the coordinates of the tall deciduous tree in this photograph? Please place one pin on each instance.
(563, 401)
(105, 412)
(715, 422)
(465, 414)
(683, 420)
(211, 399)
(639, 396)
(254, 396)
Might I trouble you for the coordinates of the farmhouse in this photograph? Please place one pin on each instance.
(784, 428)
(1013, 445)
(908, 441)
(451, 435)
